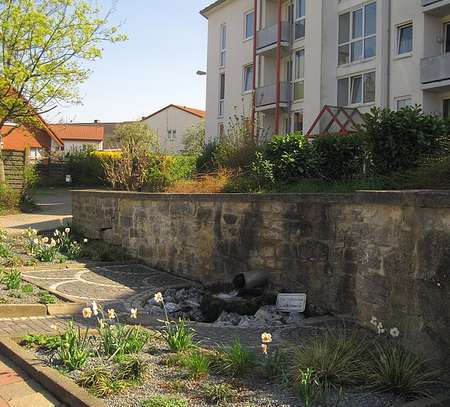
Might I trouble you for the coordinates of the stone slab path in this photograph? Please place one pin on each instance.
(54, 208)
(124, 286)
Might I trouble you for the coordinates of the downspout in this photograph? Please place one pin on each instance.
(278, 72)
(388, 78)
(255, 32)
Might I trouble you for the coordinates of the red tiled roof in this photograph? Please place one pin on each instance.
(196, 112)
(21, 138)
(78, 132)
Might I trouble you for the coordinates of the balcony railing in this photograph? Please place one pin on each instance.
(435, 69)
(269, 36)
(267, 95)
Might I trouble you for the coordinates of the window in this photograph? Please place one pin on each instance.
(356, 90)
(249, 25)
(172, 135)
(403, 102)
(300, 20)
(298, 121)
(248, 78)
(446, 108)
(299, 75)
(357, 34)
(221, 130)
(223, 45)
(447, 38)
(221, 94)
(404, 39)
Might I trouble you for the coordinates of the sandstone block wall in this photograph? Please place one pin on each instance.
(383, 254)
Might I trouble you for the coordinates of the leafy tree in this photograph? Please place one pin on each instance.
(194, 139)
(45, 46)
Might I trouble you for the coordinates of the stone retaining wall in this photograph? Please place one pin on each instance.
(382, 254)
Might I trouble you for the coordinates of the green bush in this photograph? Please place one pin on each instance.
(339, 157)
(196, 363)
(401, 140)
(85, 168)
(292, 157)
(9, 198)
(164, 401)
(206, 161)
(236, 359)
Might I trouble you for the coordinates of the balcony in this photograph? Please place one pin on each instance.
(437, 8)
(266, 96)
(267, 38)
(435, 71)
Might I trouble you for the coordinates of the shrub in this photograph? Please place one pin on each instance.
(86, 168)
(292, 157)
(73, 348)
(47, 298)
(219, 393)
(262, 171)
(339, 157)
(337, 359)
(164, 401)
(178, 335)
(235, 360)
(194, 139)
(394, 369)
(9, 198)
(30, 181)
(196, 363)
(206, 161)
(400, 140)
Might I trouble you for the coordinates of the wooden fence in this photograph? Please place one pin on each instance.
(14, 162)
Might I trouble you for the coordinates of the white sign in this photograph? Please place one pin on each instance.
(68, 179)
(291, 302)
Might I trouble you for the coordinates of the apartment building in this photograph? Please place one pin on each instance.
(281, 61)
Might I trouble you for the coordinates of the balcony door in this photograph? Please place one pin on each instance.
(447, 38)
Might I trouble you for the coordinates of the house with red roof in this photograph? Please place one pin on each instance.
(171, 124)
(79, 137)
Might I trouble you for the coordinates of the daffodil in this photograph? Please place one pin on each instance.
(94, 308)
(264, 348)
(380, 329)
(67, 230)
(158, 298)
(36, 241)
(56, 232)
(266, 337)
(45, 239)
(52, 242)
(133, 313)
(87, 312)
(395, 332)
(111, 313)
(374, 321)
(85, 240)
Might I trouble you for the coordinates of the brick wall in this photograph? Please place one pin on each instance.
(383, 254)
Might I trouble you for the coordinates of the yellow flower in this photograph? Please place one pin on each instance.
(87, 312)
(264, 348)
(266, 338)
(45, 239)
(133, 313)
(111, 313)
(158, 298)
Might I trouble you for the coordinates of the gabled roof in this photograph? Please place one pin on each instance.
(78, 132)
(20, 138)
(196, 112)
(207, 9)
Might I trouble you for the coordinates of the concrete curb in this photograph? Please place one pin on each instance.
(58, 385)
(22, 310)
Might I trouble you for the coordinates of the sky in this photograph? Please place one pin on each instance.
(156, 66)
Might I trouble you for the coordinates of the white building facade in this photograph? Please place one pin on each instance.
(305, 54)
(171, 124)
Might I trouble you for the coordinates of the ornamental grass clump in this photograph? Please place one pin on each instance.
(178, 334)
(196, 363)
(219, 393)
(73, 349)
(235, 360)
(337, 359)
(11, 279)
(101, 382)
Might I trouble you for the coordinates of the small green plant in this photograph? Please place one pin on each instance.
(219, 393)
(47, 298)
(132, 367)
(235, 360)
(12, 279)
(164, 401)
(101, 382)
(5, 251)
(337, 358)
(196, 363)
(394, 369)
(45, 251)
(275, 367)
(73, 350)
(308, 387)
(118, 340)
(27, 288)
(3, 300)
(16, 294)
(41, 341)
(178, 335)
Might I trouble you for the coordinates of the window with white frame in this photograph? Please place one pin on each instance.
(221, 94)
(300, 19)
(403, 102)
(249, 25)
(172, 135)
(223, 45)
(404, 39)
(447, 38)
(247, 84)
(357, 34)
(356, 90)
(299, 75)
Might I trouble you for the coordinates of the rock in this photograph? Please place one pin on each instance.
(153, 310)
(180, 295)
(172, 307)
(228, 319)
(294, 318)
(192, 304)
